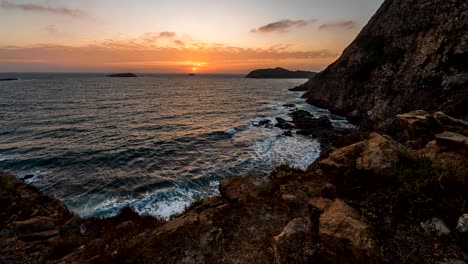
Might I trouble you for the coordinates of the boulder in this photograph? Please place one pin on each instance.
(380, 155)
(345, 238)
(419, 125)
(294, 244)
(376, 156)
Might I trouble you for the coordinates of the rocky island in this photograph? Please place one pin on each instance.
(8, 79)
(394, 191)
(122, 75)
(279, 73)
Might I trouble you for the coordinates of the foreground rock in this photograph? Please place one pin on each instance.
(122, 75)
(401, 61)
(364, 203)
(279, 73)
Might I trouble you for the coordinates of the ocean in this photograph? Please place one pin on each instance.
(155, 143)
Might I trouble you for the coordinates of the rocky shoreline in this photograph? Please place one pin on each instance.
(373, 201)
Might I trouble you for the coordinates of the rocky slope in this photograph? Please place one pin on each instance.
(369, 201)
(279, 73)
(413, 54)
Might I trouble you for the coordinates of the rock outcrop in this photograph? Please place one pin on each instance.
(279, 73)
(413, 54)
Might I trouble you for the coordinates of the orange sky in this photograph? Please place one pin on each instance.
(176, 36)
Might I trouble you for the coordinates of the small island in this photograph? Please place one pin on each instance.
(122, 75)
(279, 73)
(8, 79)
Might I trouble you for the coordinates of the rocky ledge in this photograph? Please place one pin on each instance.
(374, 200)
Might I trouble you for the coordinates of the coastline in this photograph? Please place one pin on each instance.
(287, 216)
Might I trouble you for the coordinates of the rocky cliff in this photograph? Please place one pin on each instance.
(413, 54)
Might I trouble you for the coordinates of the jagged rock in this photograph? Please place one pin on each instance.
(289, 105)
(462, 224)
(294, 244)
(243, 189)
(403, 59)
(345, 238)
(377, 155)
(301, 114)
(288, 133)
(283, 124)
(33, 225)
(419, 125)
(451, 124)
(264, 122)
(449, 141)
(380, 155)
(435, 225)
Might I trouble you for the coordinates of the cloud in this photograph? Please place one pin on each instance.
(155, 36)
(76, 13)
(282, 26)
(347, 25)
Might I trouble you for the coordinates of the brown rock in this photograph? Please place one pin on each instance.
(243, 189)
(345, 238)
(294, 244)
(376, 156)
(419, 126)
(380, 155)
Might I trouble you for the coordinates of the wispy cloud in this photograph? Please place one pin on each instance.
(76, 13)
(347, 25)
(282, 26)
(155, 36)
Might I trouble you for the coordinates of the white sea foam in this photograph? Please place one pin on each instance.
(296, 151)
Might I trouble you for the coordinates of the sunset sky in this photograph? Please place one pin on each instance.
(176, 35)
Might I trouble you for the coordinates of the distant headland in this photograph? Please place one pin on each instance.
(124, 75)
(279, 73)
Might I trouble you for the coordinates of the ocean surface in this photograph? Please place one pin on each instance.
(155, 143)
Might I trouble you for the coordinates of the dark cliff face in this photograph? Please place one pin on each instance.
(413, 54)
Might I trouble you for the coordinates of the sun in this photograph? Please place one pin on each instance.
(194, 69)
